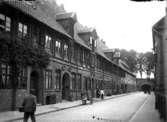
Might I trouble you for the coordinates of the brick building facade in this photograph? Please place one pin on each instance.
(76, 65)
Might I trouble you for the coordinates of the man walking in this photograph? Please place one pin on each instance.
(29, 106)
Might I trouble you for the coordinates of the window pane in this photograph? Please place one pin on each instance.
(2, 22)
(25, 30)
(20, 27)
(8, 24)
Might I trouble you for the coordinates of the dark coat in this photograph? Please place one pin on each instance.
(29, 103)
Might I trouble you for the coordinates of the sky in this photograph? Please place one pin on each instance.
(120, 23)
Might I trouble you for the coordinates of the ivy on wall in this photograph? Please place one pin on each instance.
(16, 53)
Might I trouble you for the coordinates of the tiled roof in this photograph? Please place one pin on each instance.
(81, 42)
(66, 15)
(161, 24)
(38, 12)
(101, 53)
(77, 39)
(83, 29)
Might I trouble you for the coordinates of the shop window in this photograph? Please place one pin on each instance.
(58, 79)
(5, 23)
(5, 76)
(22, 30)
(48, 79)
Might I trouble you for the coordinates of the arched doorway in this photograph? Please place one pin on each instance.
(34, 84)
(146, 88)
(66, 86)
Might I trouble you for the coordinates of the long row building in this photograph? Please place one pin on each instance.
(79, 61)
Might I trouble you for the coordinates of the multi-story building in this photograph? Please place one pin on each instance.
(76, 63)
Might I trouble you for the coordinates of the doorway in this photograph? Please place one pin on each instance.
(66, 87)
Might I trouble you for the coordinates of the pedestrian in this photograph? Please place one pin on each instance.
(98, 93)
(29, 107)
(102, 94)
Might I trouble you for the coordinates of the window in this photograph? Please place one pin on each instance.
(79, 81)
(22, 79)
(58, 79)
(5, 23)
(5, 76)
(65, 51)
(48, 79)
(95, 43)
(57, 47)
(22, 30)
(35, 36)
(73, 81)
(91, 41)
(48, 40)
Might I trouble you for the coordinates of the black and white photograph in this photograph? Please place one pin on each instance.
(83, 60)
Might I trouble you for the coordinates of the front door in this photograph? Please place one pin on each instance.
(66, 87)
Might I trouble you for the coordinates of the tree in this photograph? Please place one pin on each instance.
(149, 63)
(129, 57)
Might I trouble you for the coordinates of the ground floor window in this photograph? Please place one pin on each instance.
(73, 81)
(22, 79)
(79, 82)
(58, 79)
(48, 79)
(5, 76)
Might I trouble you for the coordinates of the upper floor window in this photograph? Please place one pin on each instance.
(5, 23)
(48, 40)
(95, 43)
(57, 47)
(91, 41)
(65, 51)
(22, 30)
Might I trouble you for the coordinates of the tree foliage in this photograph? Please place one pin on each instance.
(138, 62)
(16, 53)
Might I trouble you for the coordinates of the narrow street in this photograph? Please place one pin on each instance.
(117, 109)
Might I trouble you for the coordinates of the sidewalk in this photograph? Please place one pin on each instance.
(43, 109)
(147, 112)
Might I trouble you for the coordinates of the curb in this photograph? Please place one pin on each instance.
(38, 114)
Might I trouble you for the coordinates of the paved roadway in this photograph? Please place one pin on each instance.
(118, 109)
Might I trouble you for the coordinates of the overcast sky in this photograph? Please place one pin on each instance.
(120, 23)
